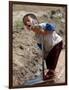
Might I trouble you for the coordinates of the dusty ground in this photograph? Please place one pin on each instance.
(27, 57)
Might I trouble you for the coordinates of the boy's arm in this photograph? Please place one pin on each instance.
(39, 30)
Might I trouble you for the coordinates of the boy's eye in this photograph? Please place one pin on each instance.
(28, 20)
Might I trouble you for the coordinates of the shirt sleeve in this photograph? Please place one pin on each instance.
(48, 26)
(43, 25)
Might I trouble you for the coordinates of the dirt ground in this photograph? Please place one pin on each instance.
(27, 57)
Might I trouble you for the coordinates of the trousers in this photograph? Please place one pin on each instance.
(53, 55)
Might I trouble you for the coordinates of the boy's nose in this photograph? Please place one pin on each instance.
(28, 23)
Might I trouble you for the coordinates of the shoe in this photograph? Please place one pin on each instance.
(50, 75)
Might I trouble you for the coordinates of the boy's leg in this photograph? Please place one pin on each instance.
(53, 55)
(52, 58)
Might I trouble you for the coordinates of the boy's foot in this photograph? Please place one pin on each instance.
(49, 75)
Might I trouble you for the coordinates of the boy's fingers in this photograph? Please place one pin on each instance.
(37, 27)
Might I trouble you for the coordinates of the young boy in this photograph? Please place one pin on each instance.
(52, 42)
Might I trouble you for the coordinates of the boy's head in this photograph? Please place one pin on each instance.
(30, 20)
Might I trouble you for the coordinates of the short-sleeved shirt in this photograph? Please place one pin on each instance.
(49, 40)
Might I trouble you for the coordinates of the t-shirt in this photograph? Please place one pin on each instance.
(49, 40)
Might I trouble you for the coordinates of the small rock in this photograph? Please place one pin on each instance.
(21, 47)
(62, 20)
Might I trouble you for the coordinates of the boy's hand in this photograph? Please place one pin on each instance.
(37, 29)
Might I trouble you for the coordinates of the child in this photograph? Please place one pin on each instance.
(52, 42)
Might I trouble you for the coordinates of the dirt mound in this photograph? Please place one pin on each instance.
(26, 57)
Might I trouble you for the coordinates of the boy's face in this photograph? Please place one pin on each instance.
(29, 22)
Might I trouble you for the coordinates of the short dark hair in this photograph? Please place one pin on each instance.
(31, 15)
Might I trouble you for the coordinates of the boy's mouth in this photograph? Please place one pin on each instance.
(29, 25)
